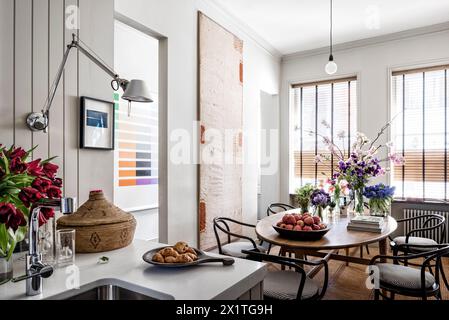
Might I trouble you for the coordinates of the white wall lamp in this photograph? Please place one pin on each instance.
(331, 66)
(134, 90)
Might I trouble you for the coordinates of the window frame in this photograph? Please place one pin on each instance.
(294, 84)
(416, 69)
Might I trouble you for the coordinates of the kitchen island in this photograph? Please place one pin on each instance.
(127, 270)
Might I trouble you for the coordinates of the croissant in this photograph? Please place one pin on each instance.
(169, 252)
(171, 259)
(158, 258)
(181, 247)
(184, 258)
(190, 250)
(192, 256)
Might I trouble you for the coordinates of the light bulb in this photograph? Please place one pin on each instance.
(331, 67)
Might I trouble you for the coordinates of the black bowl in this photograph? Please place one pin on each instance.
(313, 235)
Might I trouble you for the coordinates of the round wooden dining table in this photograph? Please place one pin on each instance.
(337, 238)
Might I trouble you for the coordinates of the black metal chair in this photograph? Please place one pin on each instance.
(404, 280)
(278, 207)
(291, 285)
(419, 236)
(413, 241)
(234, 248)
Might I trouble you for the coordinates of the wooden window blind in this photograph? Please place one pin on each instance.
(420, 97)
(334, 102)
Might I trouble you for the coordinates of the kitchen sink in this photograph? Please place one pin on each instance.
(111, 290)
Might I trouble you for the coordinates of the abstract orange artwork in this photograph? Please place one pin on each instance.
(220, 110)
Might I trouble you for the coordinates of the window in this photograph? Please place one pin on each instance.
(333, 102)
(136, 136)
(419, 131)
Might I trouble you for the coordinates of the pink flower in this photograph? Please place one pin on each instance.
(327, 140)
(341, 134)
(397, 159)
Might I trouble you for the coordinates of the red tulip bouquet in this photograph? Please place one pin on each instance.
(23, 184)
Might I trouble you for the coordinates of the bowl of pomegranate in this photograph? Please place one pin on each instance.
(302, 227)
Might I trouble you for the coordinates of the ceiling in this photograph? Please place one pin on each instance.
(298, 25)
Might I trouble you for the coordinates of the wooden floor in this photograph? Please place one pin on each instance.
(348, 282)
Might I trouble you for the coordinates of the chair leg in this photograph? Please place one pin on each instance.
(367, 249)
(269, 249)
(376, 294)
(347, 254)
(361, 252)
(443, 274)
(395, 253)
(282, 254)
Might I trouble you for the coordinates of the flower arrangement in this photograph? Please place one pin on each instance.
(356, 170)
(320, 200)
(23, 184)
(380, 197)
(303, 196)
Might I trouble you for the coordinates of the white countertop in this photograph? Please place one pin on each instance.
(127, 269)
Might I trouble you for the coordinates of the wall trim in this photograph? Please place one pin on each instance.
(244, 28)
(441, 27)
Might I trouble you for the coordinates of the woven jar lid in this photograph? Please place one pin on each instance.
(96, 211)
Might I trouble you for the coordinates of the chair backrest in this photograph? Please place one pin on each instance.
(418, 213)
(278, 207)
(224, 225)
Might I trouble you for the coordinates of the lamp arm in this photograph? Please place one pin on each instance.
(105, 68)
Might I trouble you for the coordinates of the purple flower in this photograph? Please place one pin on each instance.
(379, 191)
(320, 198)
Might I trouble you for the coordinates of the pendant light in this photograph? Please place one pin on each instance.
(331, 66)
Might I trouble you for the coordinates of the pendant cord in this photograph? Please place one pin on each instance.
(331, 27)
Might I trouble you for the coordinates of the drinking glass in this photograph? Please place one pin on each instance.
(65, 244)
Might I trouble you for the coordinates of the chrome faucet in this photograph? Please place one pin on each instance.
(35, 269)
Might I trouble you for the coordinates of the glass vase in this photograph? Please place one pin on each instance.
(47, 239)
(359, 205)
(6, 270)
(379, 207)
(319, 212)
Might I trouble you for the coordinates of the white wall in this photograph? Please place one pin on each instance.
(33, 37)
(177, 20)
(372, 64)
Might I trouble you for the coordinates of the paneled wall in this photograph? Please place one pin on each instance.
(33, 37)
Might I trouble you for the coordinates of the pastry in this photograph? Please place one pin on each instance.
(169, 252)
(190, 250)
(170, 259)
(158, 258)
(194, 257)
(181, 247)
(184, 258)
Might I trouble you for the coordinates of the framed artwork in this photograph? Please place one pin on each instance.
(97, 124)
(221, 113)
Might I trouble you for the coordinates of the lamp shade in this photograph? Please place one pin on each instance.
(137, 91)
